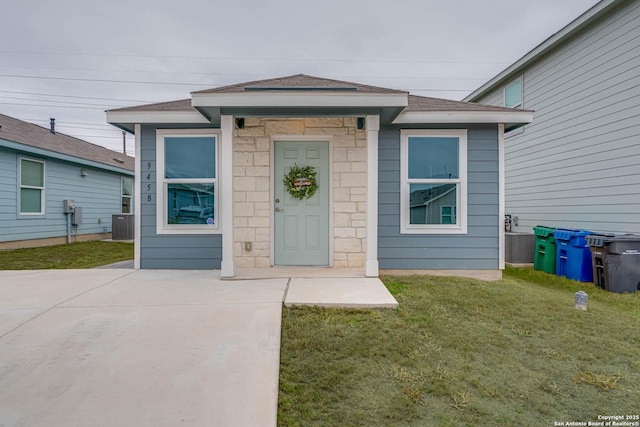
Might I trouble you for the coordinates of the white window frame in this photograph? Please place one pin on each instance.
(42, 189)
(461, 183)
(123, 196)
(162, 225)
(504, 93)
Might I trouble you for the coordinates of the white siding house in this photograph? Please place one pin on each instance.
(577, 165)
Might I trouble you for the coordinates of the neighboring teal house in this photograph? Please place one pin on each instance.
(40, 169)
(306, 171)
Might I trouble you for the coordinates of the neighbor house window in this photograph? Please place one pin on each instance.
(513, 94)
(447, 215)
(31, 187)
(187, 181)
(433, 181)
(127, 194)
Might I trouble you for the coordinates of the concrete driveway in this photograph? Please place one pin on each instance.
(138, 348)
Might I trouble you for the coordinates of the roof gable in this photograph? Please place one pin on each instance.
(299, 82)
(29, 134)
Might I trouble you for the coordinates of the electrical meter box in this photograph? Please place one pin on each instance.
(69, 206)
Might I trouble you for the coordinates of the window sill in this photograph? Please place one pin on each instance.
(188, 230)
(437, 231)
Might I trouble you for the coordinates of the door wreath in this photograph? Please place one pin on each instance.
(301, 182)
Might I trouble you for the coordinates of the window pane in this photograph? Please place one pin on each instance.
(126, 204)
(127, 186)
(190, 157)
(190, 203)
(446, 215)
(513, 94)
(30, 200)
(427, 200)
(31, 173)
(433, 157)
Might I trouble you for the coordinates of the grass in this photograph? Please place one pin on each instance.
(74, 255)
(463, 352)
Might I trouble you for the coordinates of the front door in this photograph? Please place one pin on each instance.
(301, 235)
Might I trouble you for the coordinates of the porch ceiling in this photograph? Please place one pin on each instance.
(387, 114)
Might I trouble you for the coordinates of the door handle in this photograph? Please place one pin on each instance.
(278, 209)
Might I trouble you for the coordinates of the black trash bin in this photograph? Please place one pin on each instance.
(616, 262)
(596, 245)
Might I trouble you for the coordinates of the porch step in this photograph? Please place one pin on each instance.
(345, 292)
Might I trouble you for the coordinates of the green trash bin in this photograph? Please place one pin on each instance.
(544, 258)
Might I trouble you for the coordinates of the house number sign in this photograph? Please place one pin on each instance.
(146, 184)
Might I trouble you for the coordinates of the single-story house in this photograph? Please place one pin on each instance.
(307, 171)
(40, 169)
(576, 164)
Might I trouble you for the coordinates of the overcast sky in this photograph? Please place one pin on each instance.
(73, 59)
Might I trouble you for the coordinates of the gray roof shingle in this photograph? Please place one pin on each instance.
(37, 136)
(303, 81)
(299, 81)
(181, 105)
(423, 103)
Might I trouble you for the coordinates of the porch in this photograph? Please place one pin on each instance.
(271, 229)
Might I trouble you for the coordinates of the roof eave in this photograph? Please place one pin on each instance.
(37, 151)
(431, 117)
(115, 117)
(541, 49)
(299, 99)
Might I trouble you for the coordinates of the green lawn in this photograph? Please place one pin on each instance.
(463, 352)
(74, 255)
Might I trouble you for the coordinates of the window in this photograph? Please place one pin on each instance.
(31, 187)
(433, 186)
(513, 94)
(127, 193)
(187, 182)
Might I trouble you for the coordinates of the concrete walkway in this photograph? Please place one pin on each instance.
(106, 347)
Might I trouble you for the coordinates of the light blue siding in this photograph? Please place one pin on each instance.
(98, 193)
(478, 249)
(576, 165)
(169, 251)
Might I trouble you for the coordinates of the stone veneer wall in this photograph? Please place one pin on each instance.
(252, 206)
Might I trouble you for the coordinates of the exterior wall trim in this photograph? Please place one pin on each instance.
(501, 197)
(371, 263)
(137, 198)
(297, 99)
(227, 267)
(147, 117)
(447, 117)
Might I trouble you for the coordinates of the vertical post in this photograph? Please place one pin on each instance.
(373, 127)
(226, 194)
(137, 197)
(501, 195)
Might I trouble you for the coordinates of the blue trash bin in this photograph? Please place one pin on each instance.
(573, 256)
